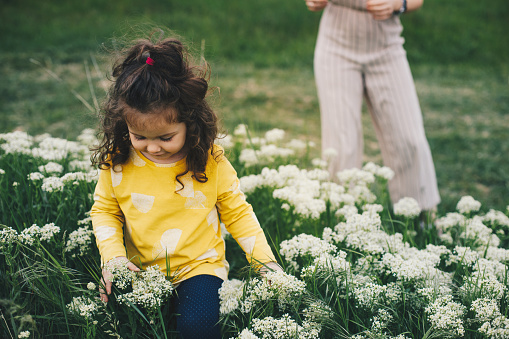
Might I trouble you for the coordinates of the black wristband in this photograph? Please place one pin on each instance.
(402, 9)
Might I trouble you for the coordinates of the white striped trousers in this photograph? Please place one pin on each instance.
(357, 57)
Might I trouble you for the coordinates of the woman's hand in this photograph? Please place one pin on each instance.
(383, 9)
(106, 282)
(316, 5)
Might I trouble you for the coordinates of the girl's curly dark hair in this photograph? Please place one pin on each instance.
(167, 82)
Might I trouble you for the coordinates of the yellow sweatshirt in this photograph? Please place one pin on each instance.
(140, 212)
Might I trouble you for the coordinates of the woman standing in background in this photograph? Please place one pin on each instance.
(359, 53)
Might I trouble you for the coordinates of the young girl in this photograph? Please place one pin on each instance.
(164, 186)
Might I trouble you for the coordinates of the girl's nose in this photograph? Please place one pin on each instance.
(153, 148)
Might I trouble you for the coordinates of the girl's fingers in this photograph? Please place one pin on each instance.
(132, 267)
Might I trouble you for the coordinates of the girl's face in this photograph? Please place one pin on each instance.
(156, 138)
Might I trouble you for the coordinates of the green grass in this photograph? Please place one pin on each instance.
(261, 57)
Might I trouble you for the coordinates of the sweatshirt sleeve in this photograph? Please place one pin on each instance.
(107, 219)
(238, 216)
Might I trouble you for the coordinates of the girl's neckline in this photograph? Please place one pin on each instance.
(139, 157)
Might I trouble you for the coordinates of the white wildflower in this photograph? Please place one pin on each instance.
(8, 236)
(446, 315)
(52, 184)
(16, 142)
(88, 137)
(150, 290)
(79, 241)
(355, 176)
(496, 218)
(467, 204)
(329, 153)
(48, 231)
(247, 334)
(83, 306)
(121, 276)
(297, 144)
(35, 176)
(224, 141)
(379, 171)
(91, 286)
(483, 285)
(240, 130)
(274, 135)
(24, 334)
(407, 207)
(320, 163)
(302, 245)
(229, 295)
(284, 327)
(450, 220)
(51, 167)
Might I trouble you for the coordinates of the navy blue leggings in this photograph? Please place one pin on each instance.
(197, 307)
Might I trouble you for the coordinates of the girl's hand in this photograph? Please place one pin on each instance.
(383, 9)
(316, 5)
(106, 282)
(268, 267)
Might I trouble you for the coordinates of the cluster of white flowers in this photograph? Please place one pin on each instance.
(483, 285)
(446, 315)
(494, 324)
(51, 167)
(246, 334)
(150, 289)
(8, 236)
(121, 275)
(263, 151)
(50, 149)
(240, 130)
(52, 184)
(230, 293)
(57, 184)
(55, 149)
(224, 141)
(275, 135)
(16, 142)
(327, 263)
(407, 207)
(24, 334)
(468, 204)
(265, 155)
(277, 286)
(496, 218)
(380, 322)
(303, 245)
(371, 296)
(284, 327)
(35, 176)
(88, 137)
(476, 234)
(383, 172)
(84, 306)
(79, 241)
(29, 235)
(449, 221)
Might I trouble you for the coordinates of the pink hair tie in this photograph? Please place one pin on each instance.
(150, 61)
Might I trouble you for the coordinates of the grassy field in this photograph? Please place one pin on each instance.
(261, 58)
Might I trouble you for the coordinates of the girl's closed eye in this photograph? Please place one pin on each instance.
(166, 139)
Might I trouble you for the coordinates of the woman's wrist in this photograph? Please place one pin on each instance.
(401, 9)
